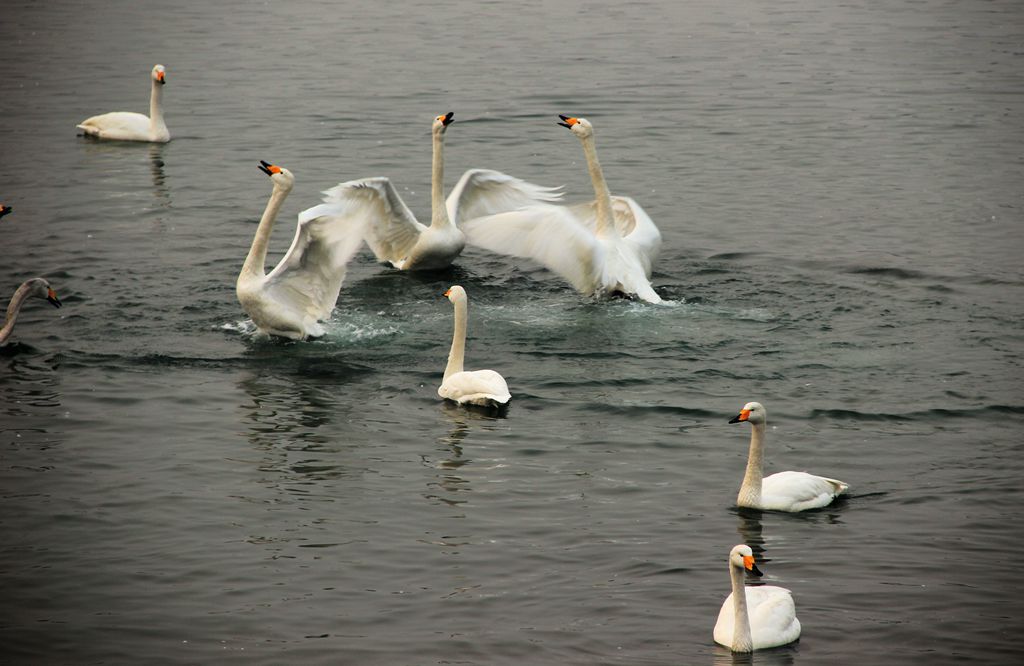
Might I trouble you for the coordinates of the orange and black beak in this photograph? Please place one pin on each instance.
(4, 210)
(161, 78)
(569, 122)
(268, 168)
(748, 564)
(447, 119)
(742, 416)
(51, 296)
(447, 293)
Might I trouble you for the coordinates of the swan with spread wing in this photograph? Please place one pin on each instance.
(302, 290)
(604, 247)
(392, 231)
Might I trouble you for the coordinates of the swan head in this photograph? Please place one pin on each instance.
(159, 74)
(281, 177)
(40, 288)
(4, 210)
(742, 557)
(581, 127)
(752, 412)
(441, 123)
(456, 294)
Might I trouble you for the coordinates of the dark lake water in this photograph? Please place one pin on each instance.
(839, 187)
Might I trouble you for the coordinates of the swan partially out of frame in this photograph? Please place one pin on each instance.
(392, 231)
(783, 491)
(604, 247)
(754, 618)
(36, 287)
(485, 388)
(302, 290)
(130, 126)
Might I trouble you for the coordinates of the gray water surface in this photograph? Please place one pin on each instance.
(839, 190)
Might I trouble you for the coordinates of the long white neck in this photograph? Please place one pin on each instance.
(742, 641)
(254, 263)
(156, 109)
(458, 350)
(13, 308)
(750, 489)
(603, 197)
(438, 211)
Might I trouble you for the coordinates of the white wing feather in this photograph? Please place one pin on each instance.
(481, 192)
(307, 280)
(390, 228)
(116, 124)
(633, 223)
(799, 491)
(477, 387)
(548, 234)
(772, 614)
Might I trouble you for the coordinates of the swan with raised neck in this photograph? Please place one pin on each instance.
(484, 388)
(131, 126)
(754, 618)
(782, 491)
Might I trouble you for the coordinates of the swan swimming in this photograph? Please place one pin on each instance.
(37, 287)
(784, 491)
(754, 618)
(130, 126)
(603, 248)
(303, 288)
(392, 231)
(485, 388)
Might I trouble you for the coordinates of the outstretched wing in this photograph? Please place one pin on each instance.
(632, 221)
(637, 226)
(309, 276)
(483, 192)
(548, 234)
(390, 229)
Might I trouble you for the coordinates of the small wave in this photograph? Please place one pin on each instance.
(984, 411)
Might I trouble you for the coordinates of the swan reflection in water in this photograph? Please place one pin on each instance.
(156, 169)
(286, 416)
(780, 656)
(449, 487)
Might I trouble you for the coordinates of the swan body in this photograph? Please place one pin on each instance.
(603, 248)
(303, 288)
(784, 491)
(130, 126)
(35, 287)
(754, 618)
(485, 388)
(392, 231)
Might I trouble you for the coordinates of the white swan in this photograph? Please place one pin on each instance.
(303, 287)
(38, 287)
(784, 491)
(754, 618)
(130, 126)
(392, 232)
(477, 387)
(604, 247)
